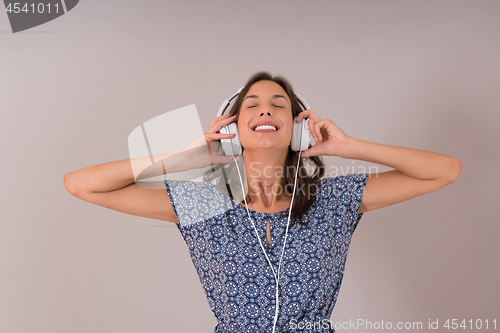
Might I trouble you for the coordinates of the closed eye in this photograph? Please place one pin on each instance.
(277, 106)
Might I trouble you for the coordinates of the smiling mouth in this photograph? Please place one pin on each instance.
(265, 128)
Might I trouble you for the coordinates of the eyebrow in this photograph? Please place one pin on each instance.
(274, 97)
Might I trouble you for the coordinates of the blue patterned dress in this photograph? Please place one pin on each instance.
(235, 274)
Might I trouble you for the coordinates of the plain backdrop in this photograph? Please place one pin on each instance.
(419, 74)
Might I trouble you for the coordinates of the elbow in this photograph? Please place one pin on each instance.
(70, 183)
(454, 170)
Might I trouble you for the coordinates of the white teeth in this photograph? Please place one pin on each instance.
(265, 127)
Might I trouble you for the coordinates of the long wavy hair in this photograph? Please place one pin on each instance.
(311, 169)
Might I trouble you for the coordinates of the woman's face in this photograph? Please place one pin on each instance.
(265, 119)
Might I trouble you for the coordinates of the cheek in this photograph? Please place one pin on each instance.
(241, 128)
(289, 136)
(242, 132)
(288, 132)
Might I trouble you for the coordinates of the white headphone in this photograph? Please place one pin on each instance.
(301, 139)
(301, 136)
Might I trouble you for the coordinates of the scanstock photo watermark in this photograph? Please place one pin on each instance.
(24, 15)
(365, 324)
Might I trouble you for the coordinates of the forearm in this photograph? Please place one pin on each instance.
(415, 163)
(119, 174)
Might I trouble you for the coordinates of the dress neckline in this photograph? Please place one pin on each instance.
(257, 212)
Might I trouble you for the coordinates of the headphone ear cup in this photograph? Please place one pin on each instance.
(231, 147)
(301, 136)
(296, 135)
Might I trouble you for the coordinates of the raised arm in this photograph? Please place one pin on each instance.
(112, 185)
(416, 172)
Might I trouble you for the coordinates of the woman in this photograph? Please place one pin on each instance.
(302, 265)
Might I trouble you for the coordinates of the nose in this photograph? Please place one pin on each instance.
(268, 113)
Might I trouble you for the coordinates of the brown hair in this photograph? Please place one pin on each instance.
(309, 175)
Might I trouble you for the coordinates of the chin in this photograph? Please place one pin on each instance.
(269, 147)
(264, 144)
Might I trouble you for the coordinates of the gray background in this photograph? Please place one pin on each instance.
(420, 74)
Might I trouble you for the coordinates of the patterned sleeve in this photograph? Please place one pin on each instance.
(342, 195)
(194, 202)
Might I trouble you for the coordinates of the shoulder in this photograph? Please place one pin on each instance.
(343, 183)
(188, 187)
(194, 201)
(339, 198)
(193, 192)
(343, 189)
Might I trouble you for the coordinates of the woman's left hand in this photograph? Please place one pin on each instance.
(330, 139)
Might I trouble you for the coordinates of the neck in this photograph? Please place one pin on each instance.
(264, 171)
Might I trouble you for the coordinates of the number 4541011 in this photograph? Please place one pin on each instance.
(32, 8)
(478, 324)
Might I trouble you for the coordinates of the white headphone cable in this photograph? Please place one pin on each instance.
(286, 232)
(276, 277)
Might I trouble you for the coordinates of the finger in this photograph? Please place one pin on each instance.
(301, 116)
(307, 114)
(221, 123)
(317, 129)
(209, 137)
(227, 121)
(312, 128)
(322, 124)
(309, 152)
(216, 119)
(313, 115)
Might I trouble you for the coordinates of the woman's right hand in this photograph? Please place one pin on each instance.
(202, 152)
(114, 184)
